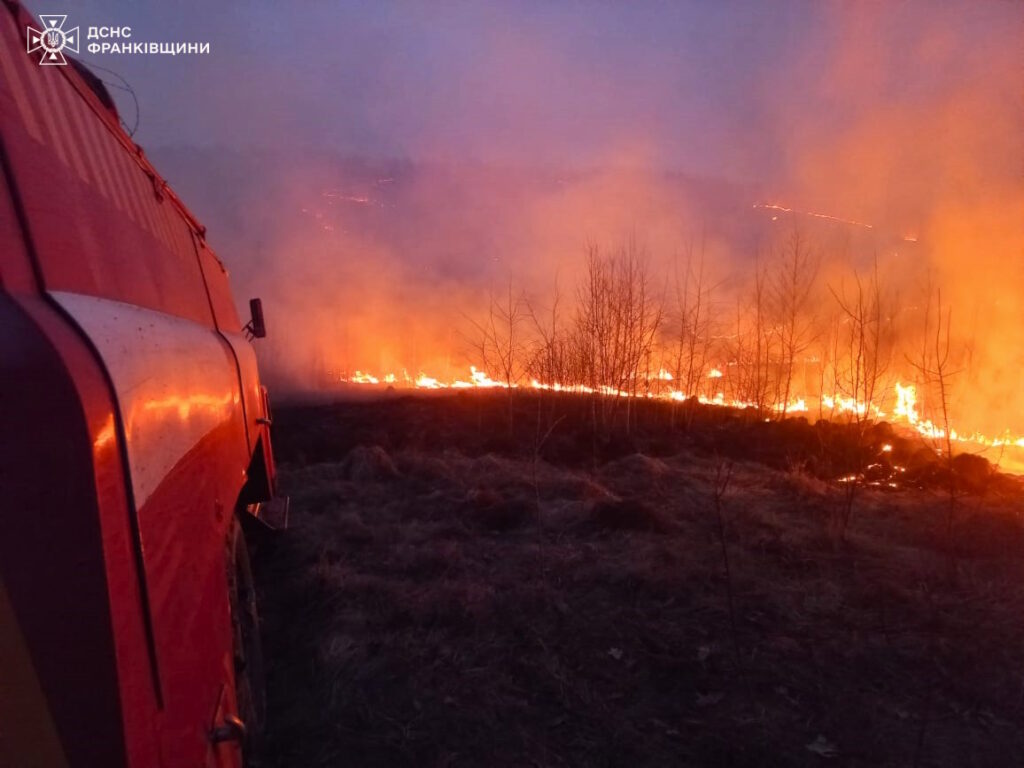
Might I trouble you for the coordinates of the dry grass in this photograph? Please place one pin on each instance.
(441, 602)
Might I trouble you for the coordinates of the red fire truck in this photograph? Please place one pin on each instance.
(135, 440)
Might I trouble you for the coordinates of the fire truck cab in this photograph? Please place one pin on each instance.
(135, 436)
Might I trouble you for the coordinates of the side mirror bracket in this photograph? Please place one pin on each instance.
(256, 328)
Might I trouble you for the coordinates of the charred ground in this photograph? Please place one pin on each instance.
(457, 589)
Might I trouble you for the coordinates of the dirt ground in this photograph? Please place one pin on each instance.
(454, 591)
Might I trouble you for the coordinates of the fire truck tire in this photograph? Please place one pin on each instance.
(250, 691)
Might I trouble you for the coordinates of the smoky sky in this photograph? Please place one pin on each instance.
(372, 169)
(717, 89)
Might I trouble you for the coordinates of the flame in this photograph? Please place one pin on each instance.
(906, 403)
(479, 379)
(364, 378)
(904, 410)
(799, 405)
(837, 403)
(427, 382)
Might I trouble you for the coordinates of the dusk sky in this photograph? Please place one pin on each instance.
(716, 89)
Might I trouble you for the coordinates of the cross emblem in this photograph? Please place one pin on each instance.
(52, 40)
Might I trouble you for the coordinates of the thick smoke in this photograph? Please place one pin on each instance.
(524, 134)
(930, 144)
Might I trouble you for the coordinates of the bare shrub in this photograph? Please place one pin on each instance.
(617, 319)
(790, 289)
(936, 371)
(755, 343)
(723, 476)
(692, 323)
(861, 355)
(500, 339)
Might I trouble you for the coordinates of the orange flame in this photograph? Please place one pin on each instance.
(904, 408)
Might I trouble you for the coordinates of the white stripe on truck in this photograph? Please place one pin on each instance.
(174, 379)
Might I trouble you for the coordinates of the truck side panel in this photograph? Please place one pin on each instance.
(121, 298)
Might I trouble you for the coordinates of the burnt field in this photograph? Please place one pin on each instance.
(468, 582)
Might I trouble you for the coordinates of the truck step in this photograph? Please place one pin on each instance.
(273, 514)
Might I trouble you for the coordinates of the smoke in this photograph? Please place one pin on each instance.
(930, 144)
(523, 133)
(382, 266)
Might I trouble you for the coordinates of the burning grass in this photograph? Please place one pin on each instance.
(462, 588)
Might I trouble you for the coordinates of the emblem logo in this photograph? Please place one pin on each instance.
(52, 40)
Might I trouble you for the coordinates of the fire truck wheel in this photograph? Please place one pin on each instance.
(250, 693)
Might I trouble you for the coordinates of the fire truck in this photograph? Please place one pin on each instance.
(135, 443)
